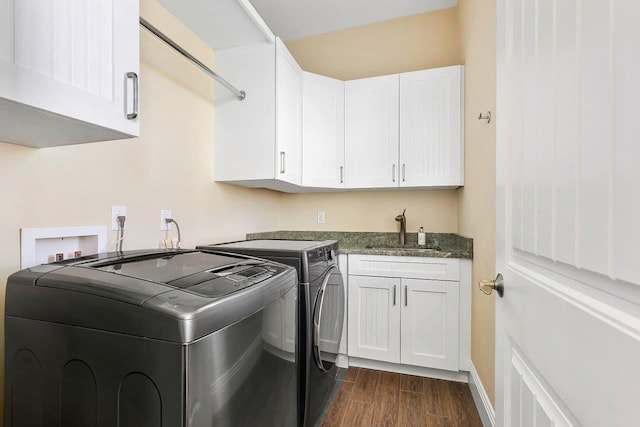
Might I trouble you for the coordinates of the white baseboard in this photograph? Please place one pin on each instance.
(440, 374)
(481, 399)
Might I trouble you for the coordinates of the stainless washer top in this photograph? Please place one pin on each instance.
(177, 296)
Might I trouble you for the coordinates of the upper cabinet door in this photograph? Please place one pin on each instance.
(322, 131)
(70, 58)
(431, 140)
(371, 132)
(288, 116)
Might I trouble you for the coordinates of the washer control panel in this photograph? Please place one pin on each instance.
(252, 275)
(236, 280)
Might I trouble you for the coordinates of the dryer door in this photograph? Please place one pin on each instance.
(328, 316)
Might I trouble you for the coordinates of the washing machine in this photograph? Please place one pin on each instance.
(148, 338)
(321, 311)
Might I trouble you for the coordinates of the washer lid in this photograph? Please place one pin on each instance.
(135, 279)
(193, 295)
(100, 283)
(172, 268)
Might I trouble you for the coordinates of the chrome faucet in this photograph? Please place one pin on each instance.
(403, 227)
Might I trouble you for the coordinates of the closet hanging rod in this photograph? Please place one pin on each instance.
(239, 93)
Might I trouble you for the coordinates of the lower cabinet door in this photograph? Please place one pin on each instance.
(374, 318)
(429, 333)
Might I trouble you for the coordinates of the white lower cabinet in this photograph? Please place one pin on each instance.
(429, 324)
(410, 311)
(374, 318)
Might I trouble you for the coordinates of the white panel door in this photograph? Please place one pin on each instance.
(374, 318)
(431, 143)
(288, 116)
(371, 132)
(430, 323)
(71, 58)
(322, 131)
(568, 326)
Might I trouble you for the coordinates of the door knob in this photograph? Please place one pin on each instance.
(487, 286)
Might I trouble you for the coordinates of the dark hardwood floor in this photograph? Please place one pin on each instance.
(376, 398)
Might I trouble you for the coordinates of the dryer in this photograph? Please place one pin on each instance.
(321, 312)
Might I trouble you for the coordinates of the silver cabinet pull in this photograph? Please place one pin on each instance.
(134, 114)
(406, 296)
(404, 169)
(341, 174)
(393, 172)
(394, 294)
(282, 162)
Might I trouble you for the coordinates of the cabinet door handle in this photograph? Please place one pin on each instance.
(341, 174)
(282, 162)
(404, 169)
(134, 114)
(393, 172)
(406, 296)
(394, 294)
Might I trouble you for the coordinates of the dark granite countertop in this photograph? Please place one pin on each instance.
(439, 245)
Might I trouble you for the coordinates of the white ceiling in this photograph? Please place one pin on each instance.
(294, 19)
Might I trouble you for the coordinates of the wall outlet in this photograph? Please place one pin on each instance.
(164, 214)
(320, 217)
(117, 211)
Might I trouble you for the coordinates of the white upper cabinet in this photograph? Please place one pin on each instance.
(245, 131)
(405, 130)
(258, 141)
(288, 116)
(68, 71)
(371, 132)
(322, 131)
(431, 144)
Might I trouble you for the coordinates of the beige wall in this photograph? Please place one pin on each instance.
(477, 198)
(169, 166)
(371, 211)
(417, 42)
